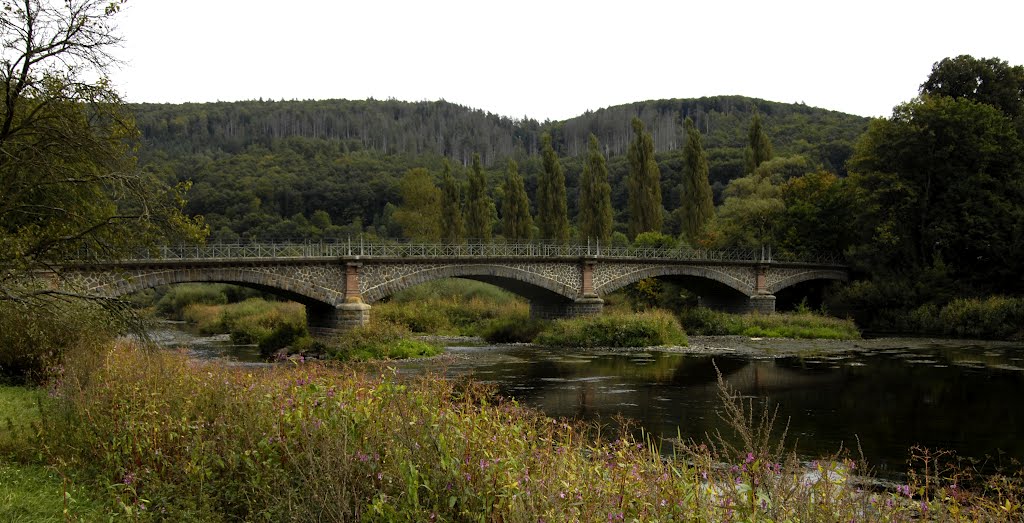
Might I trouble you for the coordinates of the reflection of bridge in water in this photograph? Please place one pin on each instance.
(338, 282)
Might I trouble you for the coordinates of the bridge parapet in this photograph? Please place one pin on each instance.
(378, 250)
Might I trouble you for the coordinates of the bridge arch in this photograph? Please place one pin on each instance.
(742, 280)
(297, 287)
(531, 281)
(796, 277)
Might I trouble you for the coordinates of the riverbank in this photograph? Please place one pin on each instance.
(305, 441)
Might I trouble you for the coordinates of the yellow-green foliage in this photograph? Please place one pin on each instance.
(997, 317)
(380, 339)
(35, 337)
(449, 306)
(175, 439)
(249, 321)
(644, 329)
(704, 321)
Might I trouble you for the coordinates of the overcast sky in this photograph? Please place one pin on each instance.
(554, 59)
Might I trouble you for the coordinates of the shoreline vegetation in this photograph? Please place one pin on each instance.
(156, 436)
(400, 325)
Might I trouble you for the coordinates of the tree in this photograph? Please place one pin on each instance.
(645, 212)
(697, 206)
(751, 209)
(71, 188)
(595, 204)
(420, 212)
(940, 185)
(759, 147)
(990, 81)
(552, 215)
(453, 228)
(478, 211)
(517, 224)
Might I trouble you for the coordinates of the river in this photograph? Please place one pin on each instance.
(891, 393)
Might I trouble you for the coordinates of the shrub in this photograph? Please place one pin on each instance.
(379, 340)
(449, 307)
(706, 322)
(516, 328)
(996, 317)
(643, 329)
(178, 297)
(253, 321)
(35, 337)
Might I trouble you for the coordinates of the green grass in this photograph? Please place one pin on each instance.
(31, 492)
(706, 322)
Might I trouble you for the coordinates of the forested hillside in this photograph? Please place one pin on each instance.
(265, 168)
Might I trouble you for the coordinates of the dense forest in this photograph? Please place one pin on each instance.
(925, 204)
(265, 168)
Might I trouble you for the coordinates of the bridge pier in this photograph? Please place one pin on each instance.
(568, 309)
(325, 321)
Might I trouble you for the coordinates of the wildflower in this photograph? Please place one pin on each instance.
(750, 457)
(129, 478)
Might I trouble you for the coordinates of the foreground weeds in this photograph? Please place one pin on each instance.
(168, 438)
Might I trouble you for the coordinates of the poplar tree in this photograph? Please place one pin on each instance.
(478, 204)
(644, 183)
(453, 229)
(697, 206)
(759, 148)
(552, 216)
(517, 223)
(595, 218)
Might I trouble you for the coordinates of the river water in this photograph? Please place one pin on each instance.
(890, 394)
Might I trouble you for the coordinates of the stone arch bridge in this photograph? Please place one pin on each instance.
(338, 283)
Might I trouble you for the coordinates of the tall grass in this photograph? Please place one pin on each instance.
(272, 324)
(449, 306)
(706, 322)
(644, 329)
(380, 339)
(174, 439)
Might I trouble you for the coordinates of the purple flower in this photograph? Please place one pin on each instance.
(750, 457)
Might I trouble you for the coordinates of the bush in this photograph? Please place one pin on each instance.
(449, 307)
(36, 337)
(517, 328)
(253, 321)
(379, 340)
(178, 297)
(706, 322)
(643, 329)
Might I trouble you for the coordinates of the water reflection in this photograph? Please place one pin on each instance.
(939, 396)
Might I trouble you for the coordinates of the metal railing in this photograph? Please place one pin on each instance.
(378, 249)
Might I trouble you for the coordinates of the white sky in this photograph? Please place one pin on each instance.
(554, 59)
